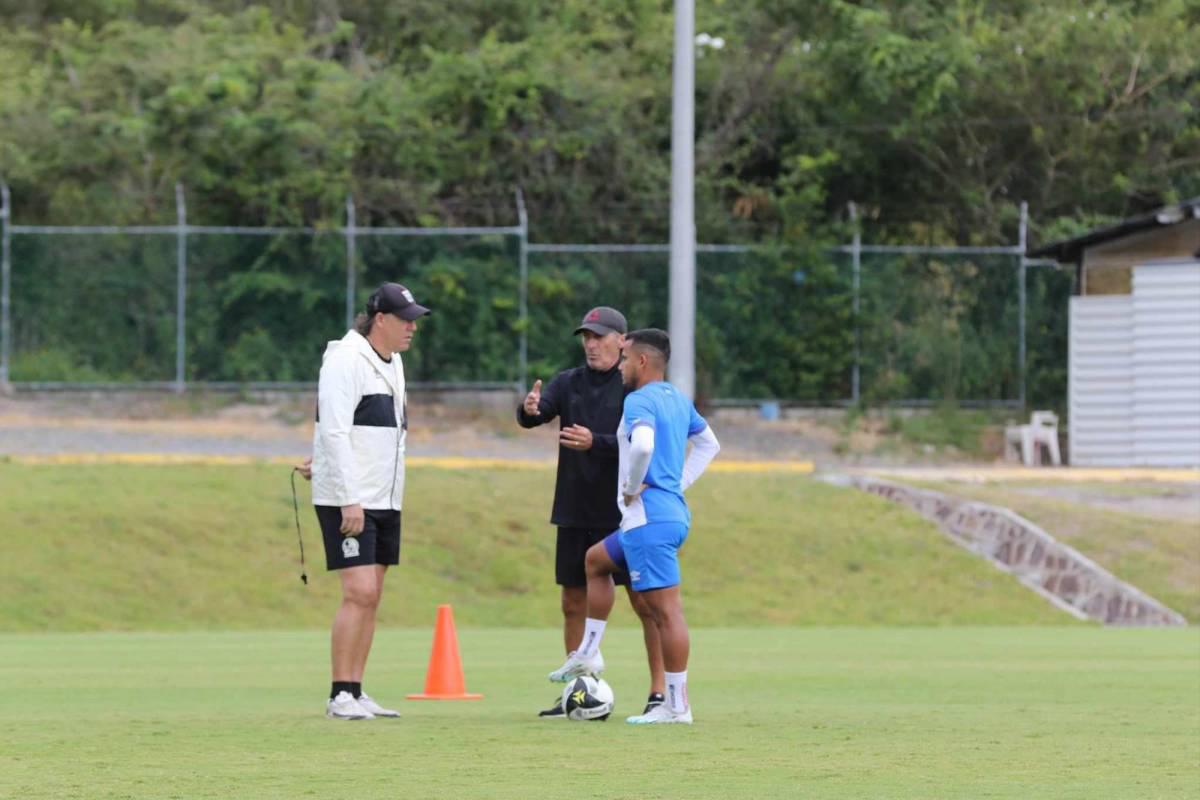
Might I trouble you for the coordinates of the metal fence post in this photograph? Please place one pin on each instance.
(1022, 235)
(523, 301)
(5, 278)
(682, 287)
(351, 270)
(180, 288)
(856, 259)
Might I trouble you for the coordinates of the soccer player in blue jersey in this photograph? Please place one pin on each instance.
(654, 470)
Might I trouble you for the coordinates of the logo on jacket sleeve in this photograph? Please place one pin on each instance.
(350, 547)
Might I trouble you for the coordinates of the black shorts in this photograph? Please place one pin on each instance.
(569, 555)
(379, 542)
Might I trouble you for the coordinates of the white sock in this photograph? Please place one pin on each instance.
(593, 632)
(677, 699)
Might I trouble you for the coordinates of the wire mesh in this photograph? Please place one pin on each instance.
(260, 308)
(940, 327)
(933, 324)
(471, 283)
(95, 307)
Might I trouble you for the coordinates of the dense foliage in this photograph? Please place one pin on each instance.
(936, 118)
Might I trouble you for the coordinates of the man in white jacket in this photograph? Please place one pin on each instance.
(358, 479)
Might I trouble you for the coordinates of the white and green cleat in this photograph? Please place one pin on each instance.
(661, 715)
(576, 665)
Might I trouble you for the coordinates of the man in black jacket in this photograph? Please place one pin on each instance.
(587, 401)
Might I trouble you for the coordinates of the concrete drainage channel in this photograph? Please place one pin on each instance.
(1061, 574)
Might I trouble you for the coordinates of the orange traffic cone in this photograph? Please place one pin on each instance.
(444, 679)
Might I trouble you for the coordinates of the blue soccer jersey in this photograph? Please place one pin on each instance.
(673, 419)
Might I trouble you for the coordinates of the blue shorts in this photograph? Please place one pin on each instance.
(650, 554)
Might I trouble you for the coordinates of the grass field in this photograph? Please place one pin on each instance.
(155, 642)
(121, 547)
(1036, 712)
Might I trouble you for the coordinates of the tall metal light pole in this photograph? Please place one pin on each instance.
(683, 218)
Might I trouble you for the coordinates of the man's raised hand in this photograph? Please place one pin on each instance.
(533, 399)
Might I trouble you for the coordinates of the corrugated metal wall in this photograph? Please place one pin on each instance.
(1100, 385)
(1134, 387)
(1166, 364)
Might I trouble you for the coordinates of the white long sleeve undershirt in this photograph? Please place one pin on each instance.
(704, 448)
(641, 448)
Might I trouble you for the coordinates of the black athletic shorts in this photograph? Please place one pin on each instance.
(379, 542)
(569, 557)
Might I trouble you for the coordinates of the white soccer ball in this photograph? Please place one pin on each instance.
(587, 699)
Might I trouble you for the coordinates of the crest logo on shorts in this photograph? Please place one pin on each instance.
(634, 575)
(350, 547)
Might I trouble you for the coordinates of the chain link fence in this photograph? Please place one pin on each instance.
(192, 306)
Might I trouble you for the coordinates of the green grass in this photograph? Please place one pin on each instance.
(944, 427)
(213, 700)
(1159, 556)
(946, 430)
(1118, 490)
(184, 547)
(1075, 712)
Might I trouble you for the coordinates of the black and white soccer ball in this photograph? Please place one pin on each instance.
(587, 699)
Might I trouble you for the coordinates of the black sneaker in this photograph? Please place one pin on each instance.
(555, 711)
(653, 701)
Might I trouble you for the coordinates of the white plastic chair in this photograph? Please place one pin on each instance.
(1023, 440)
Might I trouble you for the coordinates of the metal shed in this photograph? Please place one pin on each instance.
(1134, 347)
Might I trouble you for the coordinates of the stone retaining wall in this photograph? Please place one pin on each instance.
(1054, 570)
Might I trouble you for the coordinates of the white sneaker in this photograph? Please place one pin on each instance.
(373, 708)
(344, 706)
(661, 715)
(578, 664)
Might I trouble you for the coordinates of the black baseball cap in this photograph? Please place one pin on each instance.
(392, 298)
(602, 320)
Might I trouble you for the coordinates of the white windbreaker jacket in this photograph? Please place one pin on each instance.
(362, 424)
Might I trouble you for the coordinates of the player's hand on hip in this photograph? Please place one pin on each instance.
(533, 399)
(629, 498)
(576, 437)
(352, 520)
(305, 468)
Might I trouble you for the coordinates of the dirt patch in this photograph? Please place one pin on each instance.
(280, 424)
(1170, 501)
